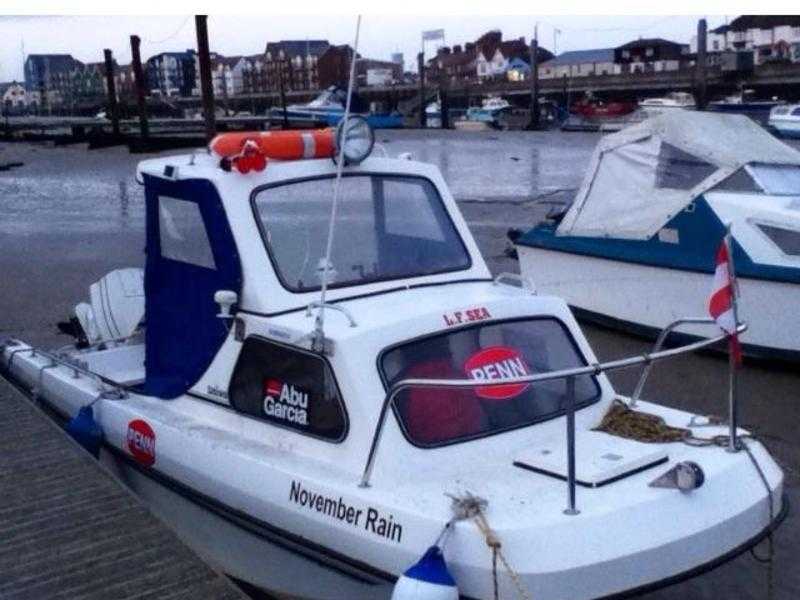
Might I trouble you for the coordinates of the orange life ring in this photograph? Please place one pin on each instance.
(278, 145)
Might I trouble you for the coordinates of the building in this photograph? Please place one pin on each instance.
(293, 64)
(488, 57)
(334, 66)
(397, 57)
(254, 75)
(771, 38)
(125, 82)
(518, 70)
(227, 75)
(88, 82)
(650, 55)
(455, 64)
(50, 75)
(171, 73)
(370, 71)
(14, 98)
(580, 63)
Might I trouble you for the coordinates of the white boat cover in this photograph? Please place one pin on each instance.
(642, 176)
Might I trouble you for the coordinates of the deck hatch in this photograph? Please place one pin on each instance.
(600, 458)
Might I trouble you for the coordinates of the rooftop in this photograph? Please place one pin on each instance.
(583, 56)
(642, 42)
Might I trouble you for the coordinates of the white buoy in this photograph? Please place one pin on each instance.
(428, 579)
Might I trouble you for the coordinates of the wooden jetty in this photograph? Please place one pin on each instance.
(68, 529)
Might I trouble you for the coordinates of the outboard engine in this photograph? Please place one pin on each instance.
(114, 311)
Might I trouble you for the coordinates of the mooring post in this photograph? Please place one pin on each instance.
(206, 87)
(141, 86)
(444, 102)
(701, 83)
(113, 114)
(535, 121)
(282, 85)
(421, 70)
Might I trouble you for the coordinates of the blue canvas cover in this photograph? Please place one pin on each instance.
(183, 334)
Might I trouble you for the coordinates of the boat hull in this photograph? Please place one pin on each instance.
(643, 299)
(215, 491)
(786, 128)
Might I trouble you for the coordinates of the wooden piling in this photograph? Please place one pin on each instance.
(113, 112)
(444, 102)
(141, 86)
(701, 75)
(421, 70)
(206, 85)
(535, 121)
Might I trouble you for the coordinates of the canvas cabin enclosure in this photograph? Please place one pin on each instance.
(641, 177)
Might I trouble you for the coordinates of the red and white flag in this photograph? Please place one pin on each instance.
(721, 303)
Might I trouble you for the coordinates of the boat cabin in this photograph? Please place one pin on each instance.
(664, 191)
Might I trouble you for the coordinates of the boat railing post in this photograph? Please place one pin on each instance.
(662, 337)
(570, 398)
(733, 367)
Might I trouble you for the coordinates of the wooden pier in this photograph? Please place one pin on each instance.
(68, 529)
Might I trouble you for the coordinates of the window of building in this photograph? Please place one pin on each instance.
(626, 54)
(182, 233)
(649, 52)
(289, 388)
(434, 416)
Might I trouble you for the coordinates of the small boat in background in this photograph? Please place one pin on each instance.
(746, 103)
(489, 111)
(674, 100)
(593, 108)
(327, 109)
(636, 249)
(785, 120)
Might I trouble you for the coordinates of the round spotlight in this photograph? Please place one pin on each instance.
(356, 138)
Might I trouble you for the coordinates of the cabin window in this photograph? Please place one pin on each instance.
(739, 181)
(777, 180)
(435, 416)
(289, 388)
(388, 227)
(680, 170)
(182, 233)
(788, 240)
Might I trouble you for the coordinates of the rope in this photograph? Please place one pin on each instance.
(472, 507)
(622, 421)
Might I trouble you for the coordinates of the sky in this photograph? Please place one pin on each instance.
(85, 37)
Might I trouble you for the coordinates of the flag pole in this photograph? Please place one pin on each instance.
(733, 358)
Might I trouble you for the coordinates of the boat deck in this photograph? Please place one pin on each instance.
(70, 530)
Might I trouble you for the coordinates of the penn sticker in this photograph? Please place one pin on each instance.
(142, 442)
(497, 363)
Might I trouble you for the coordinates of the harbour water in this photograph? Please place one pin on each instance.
(68, 216)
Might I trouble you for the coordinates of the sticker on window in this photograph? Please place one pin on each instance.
(497, 363)
(285, 402)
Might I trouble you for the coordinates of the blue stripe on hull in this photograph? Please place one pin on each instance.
(699, 232)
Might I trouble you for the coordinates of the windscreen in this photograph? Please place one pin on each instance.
(436, 416)
(387, 227)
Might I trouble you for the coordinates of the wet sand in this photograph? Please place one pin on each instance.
(66, 220)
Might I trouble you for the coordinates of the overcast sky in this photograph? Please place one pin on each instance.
(85, 37)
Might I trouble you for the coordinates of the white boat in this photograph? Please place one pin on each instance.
(307, 448)
(674, 100)
(636, 247)
(785, 120)
(491, 110)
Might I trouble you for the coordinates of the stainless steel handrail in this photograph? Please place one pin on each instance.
(662, 337)
(593, 369)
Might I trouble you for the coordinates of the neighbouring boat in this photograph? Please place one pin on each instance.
(315, 444)
(593, 108)
(746, 103)
(327, 109)
(635, 248)
(785, 120)
(674, 100)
